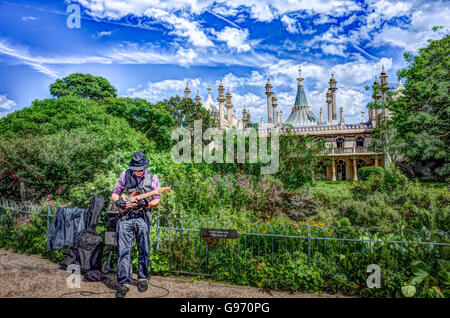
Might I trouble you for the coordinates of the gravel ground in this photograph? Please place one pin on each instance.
(33, 276)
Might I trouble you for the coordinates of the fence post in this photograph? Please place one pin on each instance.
(157, 232)
(49, 213)
(309, 246)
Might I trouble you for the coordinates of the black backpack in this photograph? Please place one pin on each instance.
(89, 250)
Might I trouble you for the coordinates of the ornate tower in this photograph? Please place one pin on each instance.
(198, 99)
(275, 112)
(329, 107)
(321, 116)
(269, 101)
(244, 116)
(384, 85)
(221, 100)
(229, 106)
(187, 91)
(333, 89)
(398, 91)
(373, 113)
(341, 115)
(301, 114)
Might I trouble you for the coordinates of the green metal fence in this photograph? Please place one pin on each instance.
(347, 250)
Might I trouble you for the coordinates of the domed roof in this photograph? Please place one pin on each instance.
(301, 114)
(209, 104)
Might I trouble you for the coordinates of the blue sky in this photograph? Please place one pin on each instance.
(150, 49)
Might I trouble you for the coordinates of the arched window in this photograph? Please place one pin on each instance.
(359, 142)
(361, 163)
(340, 143)
(341, 170)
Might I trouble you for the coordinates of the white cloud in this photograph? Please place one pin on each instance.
(133, 53)
(40, 63)
(182, 26)
(234, 38)
(254, 79)
(157, 91)
(413, 35)
(263, 9)
(102, 34)
(355, 73)
(220, 13)
(333, 49)
(390, 9)
(5, 103)
(163, 11)
(324, 19)
(290, 24)
(29, 18)
(224, 11)
(255, 104)
(260, 10)
(352, 101)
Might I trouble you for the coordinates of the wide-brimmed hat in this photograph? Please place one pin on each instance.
(138, 161)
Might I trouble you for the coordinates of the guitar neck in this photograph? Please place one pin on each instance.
(149, 194)
(145, 195)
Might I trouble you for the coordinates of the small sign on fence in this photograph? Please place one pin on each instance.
(218, 233)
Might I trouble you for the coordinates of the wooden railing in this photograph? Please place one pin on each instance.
(347, 150)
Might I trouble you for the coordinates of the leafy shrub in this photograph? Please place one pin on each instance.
(365, 172)
(339, 283)
(62, 143)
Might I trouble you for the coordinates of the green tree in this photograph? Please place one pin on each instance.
(152, 121)
(49, 116)
(83, 86)
(300, 159)
(63, 143)
(386, 140)
(185, 111)
(422, 116)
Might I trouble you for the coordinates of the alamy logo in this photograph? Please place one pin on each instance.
(74, 279)
(74, 19)
(214, 151)
(374, 279)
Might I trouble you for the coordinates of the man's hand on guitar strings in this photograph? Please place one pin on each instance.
(121, 203)
(143, 203)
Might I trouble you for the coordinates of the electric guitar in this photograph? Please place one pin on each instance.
(133, 198)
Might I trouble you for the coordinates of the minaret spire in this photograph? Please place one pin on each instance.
(300, 78)
(269, 101)
(333, 89)
(187, 91)
(198, 99)
(229, 106)
(221, 99)
(274, 105)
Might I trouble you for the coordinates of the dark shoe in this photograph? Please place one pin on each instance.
(142, 285)
(122, 291)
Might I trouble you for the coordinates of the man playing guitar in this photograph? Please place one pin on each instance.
(135, 222)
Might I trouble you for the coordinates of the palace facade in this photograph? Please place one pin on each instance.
(348, 143)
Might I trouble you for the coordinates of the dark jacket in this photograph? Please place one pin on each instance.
(67, 224)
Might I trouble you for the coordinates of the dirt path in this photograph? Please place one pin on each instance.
(33, 276)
